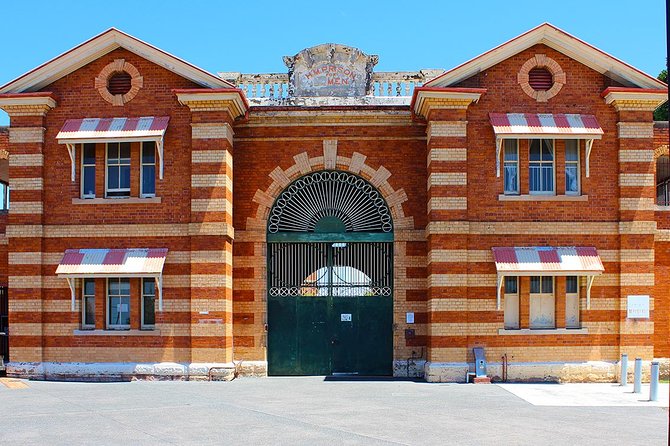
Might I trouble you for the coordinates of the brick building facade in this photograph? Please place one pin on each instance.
(165, 220)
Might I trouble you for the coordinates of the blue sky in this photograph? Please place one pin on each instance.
(253, 36)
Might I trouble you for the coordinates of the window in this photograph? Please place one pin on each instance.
(4, 196)
(148, 303)
(511, 165)
(88, 304)
(512, 303)
(118, 170)
(148, 170)
(118, 302)
(542, 302)
(541, 166)
(88, 171)
(572, 302)
(663, 180)
(571, 167)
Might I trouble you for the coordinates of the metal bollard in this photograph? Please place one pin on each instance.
(624, 370)
(653, 389)
(637, 386)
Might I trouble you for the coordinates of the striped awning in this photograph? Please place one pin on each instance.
(134, 262)
(554, 261)
(148, 128)
(563, 126)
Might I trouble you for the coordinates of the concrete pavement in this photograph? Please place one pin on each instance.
(316, 411)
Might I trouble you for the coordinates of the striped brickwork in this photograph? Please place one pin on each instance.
(447, 262)
(25, 280)
(211, 260)
(250, 279)
(637, 197)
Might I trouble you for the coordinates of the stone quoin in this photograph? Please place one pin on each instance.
(166, 222)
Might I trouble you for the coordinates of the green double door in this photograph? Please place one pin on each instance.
(330, 309)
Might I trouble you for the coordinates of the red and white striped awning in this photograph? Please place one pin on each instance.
(98, 130)
(563, 126)
(148, 128)
(134, 262)
(548, 261)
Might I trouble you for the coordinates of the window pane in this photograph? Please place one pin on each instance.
(547, 285)
(571, 284)
(89, 181)
(112, 151)
(535, 150)
(511, 153)
(571, 179)
(149, 180)
(571, 150)
(511, 285)
(148, 152)
(149, 287)
(547, 178)
(511, 178)
(89, 154)
(89, 310)
(113, 287)
(572, 311)
(534, 183)
(547, 150)
(149, 310)
(535, 284)
(124, 177)
(89, 287)
(112, 177)
(125, 152)
(124, 287)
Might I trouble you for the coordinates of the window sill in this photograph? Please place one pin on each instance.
(660, 208)
(534, 197)
(130, 200)
(84, 332)
(542, 331)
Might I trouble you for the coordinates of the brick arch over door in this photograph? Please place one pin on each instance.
(378, 177)
(660, 151)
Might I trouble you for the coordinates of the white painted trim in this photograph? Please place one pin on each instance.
(589, 147)
(560, 41)
(97, 47)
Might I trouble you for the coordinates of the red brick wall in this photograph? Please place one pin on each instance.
(77, 98)
(662, 257)
(4, 145)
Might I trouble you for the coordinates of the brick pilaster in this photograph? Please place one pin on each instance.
(25, 221)
(637, 224)
(211, 227)
(447, 206)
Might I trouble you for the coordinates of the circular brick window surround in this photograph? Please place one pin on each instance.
(541, 77)
(119, 82)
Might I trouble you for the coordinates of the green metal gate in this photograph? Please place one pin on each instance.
(330, 278)
(330, 308)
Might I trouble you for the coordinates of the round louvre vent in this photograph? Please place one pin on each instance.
(540, 79)
(119, 83)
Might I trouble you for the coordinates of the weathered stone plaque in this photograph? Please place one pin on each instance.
(330, 70)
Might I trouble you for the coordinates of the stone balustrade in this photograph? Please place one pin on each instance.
(276, 85)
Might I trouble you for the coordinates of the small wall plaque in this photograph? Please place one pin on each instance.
(638, 307)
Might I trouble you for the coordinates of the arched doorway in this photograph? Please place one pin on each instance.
(330, 278)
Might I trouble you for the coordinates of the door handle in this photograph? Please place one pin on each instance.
(334, 341)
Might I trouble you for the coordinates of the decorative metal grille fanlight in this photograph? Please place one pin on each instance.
(330, 196)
